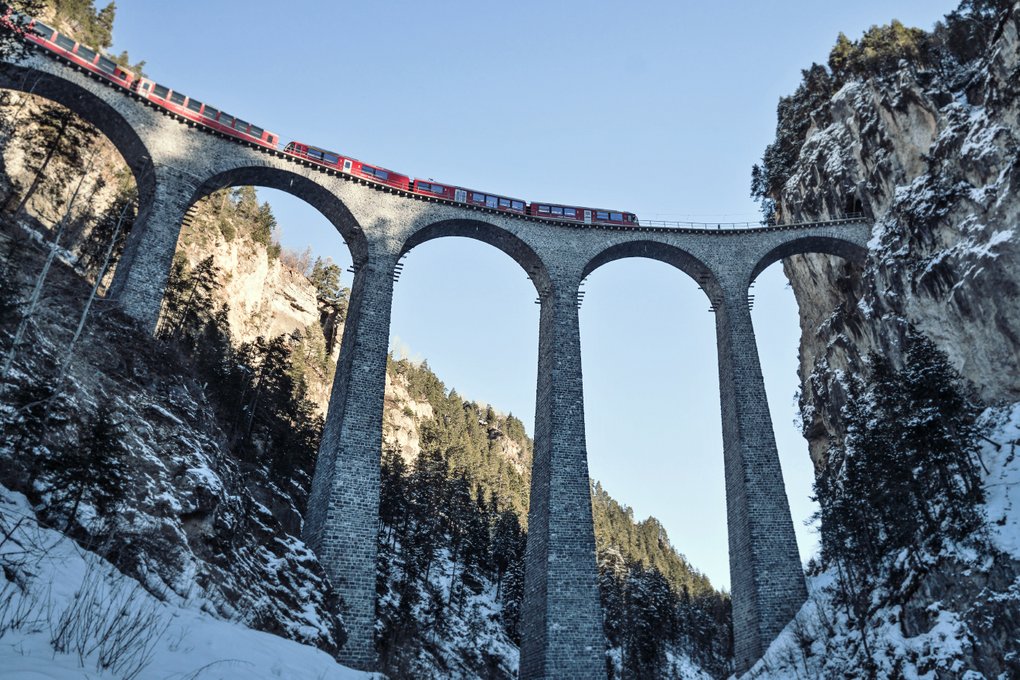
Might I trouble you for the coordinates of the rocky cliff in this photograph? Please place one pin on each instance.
(931, 155)
(920, 131)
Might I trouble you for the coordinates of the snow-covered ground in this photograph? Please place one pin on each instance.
(820, 642)
(66, 613)
(1002, 483)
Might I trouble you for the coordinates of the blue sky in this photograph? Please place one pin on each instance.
(659, 108)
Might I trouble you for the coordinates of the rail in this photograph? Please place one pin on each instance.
(727, 226)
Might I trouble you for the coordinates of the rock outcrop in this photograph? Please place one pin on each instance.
(933, 159)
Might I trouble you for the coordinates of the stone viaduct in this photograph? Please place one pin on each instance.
(562, 637)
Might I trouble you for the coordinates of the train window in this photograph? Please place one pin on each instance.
(240, 125)
(331, 158)
(256, 131)
(569, 212)
(226, 118)
(602, 215)
(617, 217)
(160, 91)
(107, 65)
(65, 42)
(517, 205)
(382, 174)
(543, 210)
(195, 105)
(557, 210)
(315, 153)
(436, 189)
(86, 54)
(177, 98)
(478, 197)
(210, 112)
(42, 30)
(504, 203)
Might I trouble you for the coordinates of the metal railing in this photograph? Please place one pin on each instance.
(724, 226)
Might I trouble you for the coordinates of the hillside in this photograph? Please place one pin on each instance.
(919, 131)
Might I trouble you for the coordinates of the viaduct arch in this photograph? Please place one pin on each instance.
(175, 165)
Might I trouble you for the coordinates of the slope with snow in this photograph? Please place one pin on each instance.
(66, 613)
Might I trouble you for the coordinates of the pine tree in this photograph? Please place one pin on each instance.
(507, 541)
(613, 574)
(93, 467)
(905, 477)
(393, 503)
(30, 415)
(113, 224)
(60, 136)
(11, 294)
(188, 301)
(650, 622)
(513, 598)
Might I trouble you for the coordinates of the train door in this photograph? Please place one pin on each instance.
(347, 165)
(460, 195)
(587, 216)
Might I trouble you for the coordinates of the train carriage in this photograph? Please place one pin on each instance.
(504, 203)
(431, 188)
(377, 174)
(80, 55)
(351, 166)
(204, 114)
(470, 196)
(575, 213)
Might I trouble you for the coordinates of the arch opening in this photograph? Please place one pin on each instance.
(461, 401)
(300, 187)
(780, 322)
(652, 414)
(820, 245)
(497, 237)
(653, 250)
(64, 176)
(269, 264)
(90, 108)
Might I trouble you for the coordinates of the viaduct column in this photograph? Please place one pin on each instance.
(765, 571)
(561, 621)
(342, 519)
(139, 280)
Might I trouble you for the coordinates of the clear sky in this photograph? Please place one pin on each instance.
(659, 108)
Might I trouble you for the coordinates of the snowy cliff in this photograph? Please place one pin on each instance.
(920, 131)
(932, 158)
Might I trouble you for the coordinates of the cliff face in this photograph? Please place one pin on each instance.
(933, 158)
(928, 148)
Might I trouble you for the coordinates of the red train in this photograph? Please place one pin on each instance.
(198, 112)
